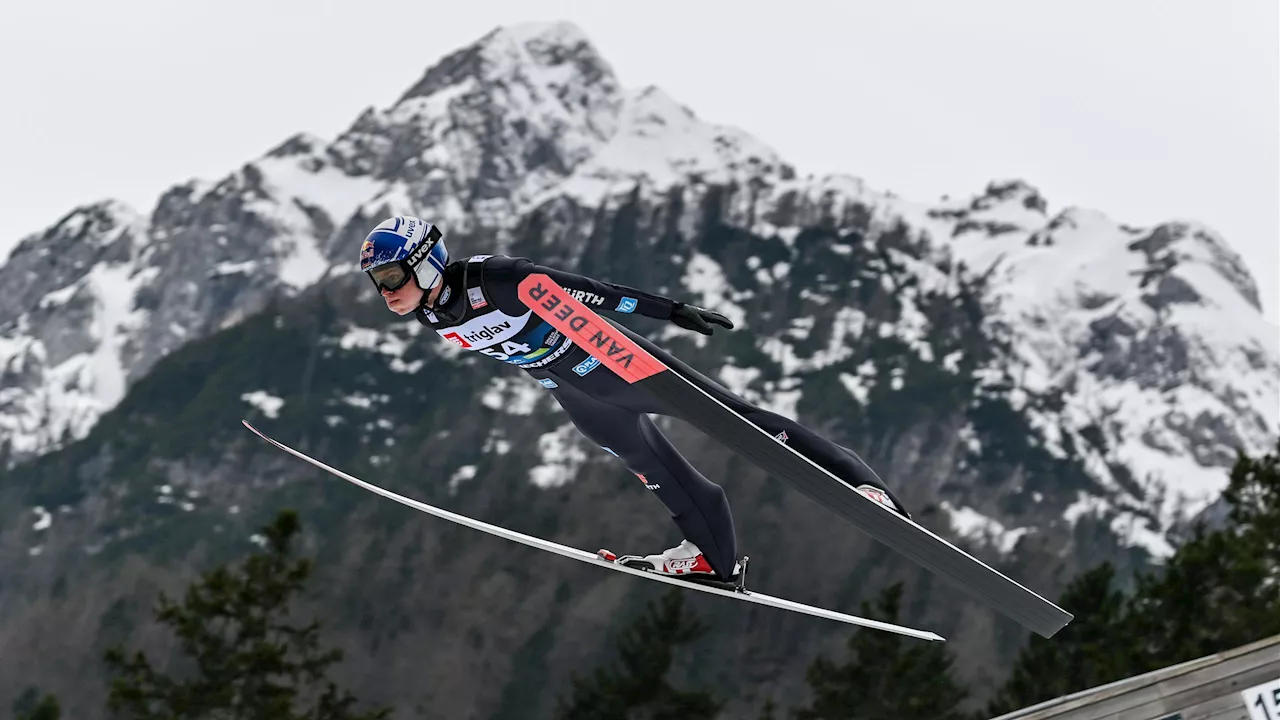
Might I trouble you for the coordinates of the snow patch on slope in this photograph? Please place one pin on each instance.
(266, 402)
(561, 457)
(973, 525)
(310, 180)
(662, 143)
(114, 288)
(846, 329)
(512, 395)
(87, 373)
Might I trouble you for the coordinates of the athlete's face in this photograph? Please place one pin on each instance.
(404, 300)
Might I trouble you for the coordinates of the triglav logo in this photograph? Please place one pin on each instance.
(488, 332)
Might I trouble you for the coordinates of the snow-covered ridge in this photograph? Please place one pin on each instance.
(661, 143)
(1155, 334)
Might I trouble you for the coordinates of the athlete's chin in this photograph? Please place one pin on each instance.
(399, 308)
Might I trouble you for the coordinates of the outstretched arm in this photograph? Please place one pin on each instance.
(600, 295)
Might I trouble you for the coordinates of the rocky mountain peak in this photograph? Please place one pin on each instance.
(1010, 191)
(661, 142)
(551, 55)
(1004, 207)
(490, 125)
(1172, 250)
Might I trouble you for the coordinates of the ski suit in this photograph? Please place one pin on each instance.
(479, 310)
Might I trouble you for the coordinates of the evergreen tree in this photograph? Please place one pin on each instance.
(28, 708)
(639, 687)
(1214, 593)
(250, 663)
(1217, 591)
(887, 676)
(1088, 652)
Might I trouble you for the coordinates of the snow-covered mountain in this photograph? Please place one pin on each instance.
(1153, 337)
(1142, 349)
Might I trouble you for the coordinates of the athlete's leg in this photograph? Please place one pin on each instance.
(836, 459)
(697, 505)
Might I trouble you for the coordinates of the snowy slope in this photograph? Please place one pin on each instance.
(660, 143)
(65, 320)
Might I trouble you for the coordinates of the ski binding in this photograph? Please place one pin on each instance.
(737, 584)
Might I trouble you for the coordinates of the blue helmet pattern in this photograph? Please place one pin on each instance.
(409, 240)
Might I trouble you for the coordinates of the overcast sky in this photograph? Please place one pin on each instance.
(1148, 110)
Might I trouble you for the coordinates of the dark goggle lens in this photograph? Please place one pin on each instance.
(392, 276)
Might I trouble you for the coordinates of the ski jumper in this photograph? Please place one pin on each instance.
(479, 310)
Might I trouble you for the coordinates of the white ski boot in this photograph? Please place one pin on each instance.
(874, 493)
(684, 561)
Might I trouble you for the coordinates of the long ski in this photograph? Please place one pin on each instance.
(634, 364)
(597, 559)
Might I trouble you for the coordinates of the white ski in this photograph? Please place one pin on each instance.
(595, 559)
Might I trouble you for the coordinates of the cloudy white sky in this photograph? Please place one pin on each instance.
(1148, 110)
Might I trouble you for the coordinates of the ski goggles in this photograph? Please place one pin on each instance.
(391, 276)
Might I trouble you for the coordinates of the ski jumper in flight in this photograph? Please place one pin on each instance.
(473, 302)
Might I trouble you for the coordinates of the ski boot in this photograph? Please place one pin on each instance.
(880, 496)
(682, 562)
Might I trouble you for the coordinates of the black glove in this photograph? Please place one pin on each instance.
(696, 318)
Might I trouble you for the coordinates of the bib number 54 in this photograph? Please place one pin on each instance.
(509, 348)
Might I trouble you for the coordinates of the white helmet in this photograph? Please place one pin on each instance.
(402, 245)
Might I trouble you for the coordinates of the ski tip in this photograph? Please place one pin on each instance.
(253, 429)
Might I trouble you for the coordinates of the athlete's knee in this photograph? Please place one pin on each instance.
(711, 493)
